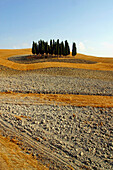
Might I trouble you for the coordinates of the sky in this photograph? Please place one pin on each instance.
(88, 23)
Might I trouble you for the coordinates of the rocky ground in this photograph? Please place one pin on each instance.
(81, 137)
(77, 133)
(68, 72)
(39, 83)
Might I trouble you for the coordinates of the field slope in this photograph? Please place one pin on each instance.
(56, 111)
(102, 63)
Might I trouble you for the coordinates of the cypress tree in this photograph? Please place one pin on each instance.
(67, 52)
(66, 48)
(58, 45)
(42, 47)
(37, 48)
(51, 47)
(34, 48)
(62, 48)
(46, 44)
(54, 47)
(46, 48)
(74, 50)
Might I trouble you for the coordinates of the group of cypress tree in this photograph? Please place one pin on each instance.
(55, 48)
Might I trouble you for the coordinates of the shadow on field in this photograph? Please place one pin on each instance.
(29, 59)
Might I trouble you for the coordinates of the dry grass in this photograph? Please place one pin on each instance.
(12, 157)
(5, 54)
(81, 100)
(16, 66)
(95, 59)
(64, 99)
(103, 63)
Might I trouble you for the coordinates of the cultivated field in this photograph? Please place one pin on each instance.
(57, 110)
(102, 63)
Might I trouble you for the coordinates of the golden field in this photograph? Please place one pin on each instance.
(63, 99)
(102, 63)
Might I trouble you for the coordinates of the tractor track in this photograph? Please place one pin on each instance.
(56, 161)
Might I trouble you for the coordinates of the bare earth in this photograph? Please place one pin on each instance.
(55, 112)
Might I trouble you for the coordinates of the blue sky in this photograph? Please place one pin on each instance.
(89, 23)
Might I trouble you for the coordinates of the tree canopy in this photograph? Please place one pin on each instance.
(55, 47)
